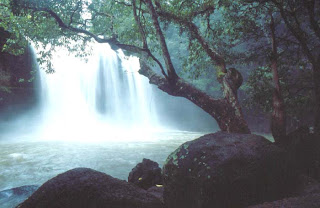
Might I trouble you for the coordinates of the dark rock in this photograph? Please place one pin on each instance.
(307, 196)
(146, 174)
(12, 197)
(309, 201)
(303, 147)
(157, 191)
(17, 83)
(307, 186)
(227, 170)
(86, 188)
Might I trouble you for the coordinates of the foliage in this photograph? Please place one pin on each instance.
(4, 81)
(296, 86)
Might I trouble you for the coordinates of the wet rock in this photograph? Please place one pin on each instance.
(12, 197)
(227, 170)
(146, 174)
(83, 188)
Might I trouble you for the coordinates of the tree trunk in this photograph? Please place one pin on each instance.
(298, 32)
(278, 120)
(226, 112)
(172, 75)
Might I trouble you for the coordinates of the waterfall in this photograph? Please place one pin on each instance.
(95, 99)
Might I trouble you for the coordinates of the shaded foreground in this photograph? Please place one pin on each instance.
(84, 188)
(216, 170)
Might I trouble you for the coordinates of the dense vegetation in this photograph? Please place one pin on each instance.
(194, 49)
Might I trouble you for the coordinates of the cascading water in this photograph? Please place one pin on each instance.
(104, 98)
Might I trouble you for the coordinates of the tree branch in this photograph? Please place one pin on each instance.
(144, 39)
(172, 75)
(315, 26)
(226, 115)
(112, 41)
(297, 33)
(73, 12)
(180, 88)
(194, 31)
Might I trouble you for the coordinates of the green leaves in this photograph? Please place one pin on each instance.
(259, 89)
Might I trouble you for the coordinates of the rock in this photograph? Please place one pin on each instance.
(309, 201)
(226, 170)
(17, 90)
(303, 147)
(84, 188)
(12, 197)
(307, 186)
(156, 191)
(146, 174)
(307, 195)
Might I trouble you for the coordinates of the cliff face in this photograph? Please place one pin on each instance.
(17, 81)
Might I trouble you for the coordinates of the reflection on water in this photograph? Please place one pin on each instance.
(28, 163)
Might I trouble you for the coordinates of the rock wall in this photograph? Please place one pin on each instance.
(17, 81)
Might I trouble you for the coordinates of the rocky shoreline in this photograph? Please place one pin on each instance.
(216, 170)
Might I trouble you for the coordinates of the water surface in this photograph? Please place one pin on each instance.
(34, 162)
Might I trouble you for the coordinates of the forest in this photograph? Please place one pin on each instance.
(251, 65)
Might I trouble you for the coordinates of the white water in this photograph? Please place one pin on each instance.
(102, 99)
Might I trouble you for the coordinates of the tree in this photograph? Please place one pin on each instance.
(137, 27)
(278, 121)
(264, 40)
(303, 21)
(243, 22)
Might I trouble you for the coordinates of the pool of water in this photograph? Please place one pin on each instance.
(24, 162)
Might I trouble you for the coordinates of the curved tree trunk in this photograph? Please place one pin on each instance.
(226, 112)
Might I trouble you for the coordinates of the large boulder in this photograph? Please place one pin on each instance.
(83, 188)
(146, 174)
(226, 170)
